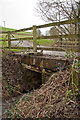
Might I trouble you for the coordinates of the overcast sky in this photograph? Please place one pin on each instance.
(19, 13)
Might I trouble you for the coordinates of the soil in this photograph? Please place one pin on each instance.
(15, 79)
(12, 85)
(12, 73)
(7, 105)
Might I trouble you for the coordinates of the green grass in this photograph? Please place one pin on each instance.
(6, 29)
(3, 44)
(17, 50)
(20, 36)
(45, 42)
(2, 38)
(24, 32)
(11, 29)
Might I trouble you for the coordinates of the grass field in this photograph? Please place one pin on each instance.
(6, 29)
(10, 29)
(45, 42)
(15, 35)
(3, 44)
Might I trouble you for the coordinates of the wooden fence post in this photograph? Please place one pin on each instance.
(34, 39)
(9, 41)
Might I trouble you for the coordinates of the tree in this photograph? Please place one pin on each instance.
(47, 33)
(58, 10)
(39, 33)
(54, 31)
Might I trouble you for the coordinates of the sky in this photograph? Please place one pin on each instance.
(19, 14)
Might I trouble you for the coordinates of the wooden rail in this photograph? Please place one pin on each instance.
(34, 38)
(73, 21)
(46, 37)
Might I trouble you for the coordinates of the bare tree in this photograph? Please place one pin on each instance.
(39, 33)
(58, 10)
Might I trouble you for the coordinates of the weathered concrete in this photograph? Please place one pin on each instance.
(42, 61)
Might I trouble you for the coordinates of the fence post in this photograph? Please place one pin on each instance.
(34, 39)
(9, 41)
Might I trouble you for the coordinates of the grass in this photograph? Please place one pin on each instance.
(11, 29)
(2, 38)
(6, 29)
(16, 50)
(20, 35)
(3, 44)
(45, 42)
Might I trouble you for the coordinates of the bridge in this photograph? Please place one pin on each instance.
(40, 62)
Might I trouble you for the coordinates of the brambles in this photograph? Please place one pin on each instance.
(74, 68)
(53, 99)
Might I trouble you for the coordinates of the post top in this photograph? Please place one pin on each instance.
(34, 25)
